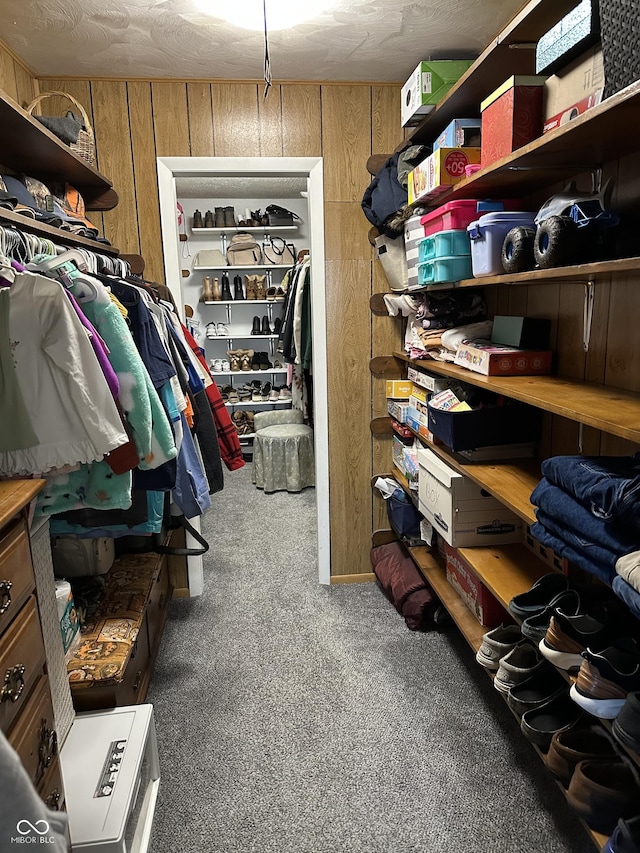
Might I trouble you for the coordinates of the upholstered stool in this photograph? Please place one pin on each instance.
(283, 458)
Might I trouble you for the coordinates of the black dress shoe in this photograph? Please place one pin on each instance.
(256, 330)
(226, 290)
(266, 328)
(237, 287)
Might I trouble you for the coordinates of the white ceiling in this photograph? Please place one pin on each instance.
(360, 40)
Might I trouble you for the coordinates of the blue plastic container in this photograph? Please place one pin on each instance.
(444, 269)
(487, 236)
(444, 244)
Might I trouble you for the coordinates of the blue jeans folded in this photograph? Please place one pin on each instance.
(567, 512)
(604, 573)
(609, 486)
(628, 594)
(591, 550)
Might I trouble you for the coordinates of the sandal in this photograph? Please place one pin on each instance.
(225, 391)
(266, 391)
(233, 396)
(271, 294)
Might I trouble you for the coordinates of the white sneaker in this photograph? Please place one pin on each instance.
(216, 365)
(285, 393)
(211, 330)
(226, 368)
(222, 330)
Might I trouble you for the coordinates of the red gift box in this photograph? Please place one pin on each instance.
(511, 117)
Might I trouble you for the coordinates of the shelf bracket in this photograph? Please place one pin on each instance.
(587, 313)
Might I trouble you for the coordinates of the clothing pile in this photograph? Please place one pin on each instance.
(437, 313)
(295, 337)
(588, 510)
(107, 396)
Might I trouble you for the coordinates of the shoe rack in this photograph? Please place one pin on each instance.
(227, 325)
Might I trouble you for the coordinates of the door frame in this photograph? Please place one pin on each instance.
(311, 168)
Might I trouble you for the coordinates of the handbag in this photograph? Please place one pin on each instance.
(210, 259)
(403, 517)
(277, 215)
(73, 557)
(278, 252)
(392, 256)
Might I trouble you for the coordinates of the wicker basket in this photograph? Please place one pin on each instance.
(85, 147)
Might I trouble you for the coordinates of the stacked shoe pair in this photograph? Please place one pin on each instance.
(219, 365)
(535, 691)
(243, 422)
(216, 330)
(602, 783)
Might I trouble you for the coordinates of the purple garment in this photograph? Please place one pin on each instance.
(99, 348)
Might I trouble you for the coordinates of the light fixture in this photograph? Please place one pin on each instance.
(249, 14)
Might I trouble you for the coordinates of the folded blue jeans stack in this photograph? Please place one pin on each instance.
(588, 510)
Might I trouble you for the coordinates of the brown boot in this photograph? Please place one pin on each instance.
(207, 291)
(245, 359)
(250, 282)
(217, 293)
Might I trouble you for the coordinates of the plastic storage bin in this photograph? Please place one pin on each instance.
(487, 236)
(455, 215)
(444, 269)
(444, 244)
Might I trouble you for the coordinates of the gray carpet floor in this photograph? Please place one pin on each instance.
(299, 718)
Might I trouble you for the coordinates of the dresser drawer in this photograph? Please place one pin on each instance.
(21, 662)
(16, 571)
(33, 735)
(51, 790)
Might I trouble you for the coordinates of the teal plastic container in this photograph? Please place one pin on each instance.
(440, 270)
(444, 244)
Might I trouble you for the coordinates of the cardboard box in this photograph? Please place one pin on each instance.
(523, 332)
(397, 410)
(420, 393)
(441, 170)
(431, 383)
(428, 85)
(573, 111)
(418, 411)
(511, 117)
(403, 432)
(514, 422)
(579, 80)
(399, 389)
(397, 455)
(495, 360)
(462, 512)
(460, 133)
(487, 609)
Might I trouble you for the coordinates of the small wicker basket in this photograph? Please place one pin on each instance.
(85, 147)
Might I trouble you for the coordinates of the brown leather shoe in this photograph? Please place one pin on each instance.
(604, 791)
(586, 742)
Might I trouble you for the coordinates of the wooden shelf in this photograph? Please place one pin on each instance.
(56, 235)
(15, 495)
(240, 229)
(613, 410)
(28, 147)
(433, 571)
(599, 135)
(494, 65)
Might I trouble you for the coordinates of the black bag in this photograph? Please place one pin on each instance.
(280, 215)
(384, 197)
(403, 517)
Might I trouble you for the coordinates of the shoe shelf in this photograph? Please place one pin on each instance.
(242, 301)
(260, 403)
(613, 410)
(237, 229)
(249, 267)
(247, 372)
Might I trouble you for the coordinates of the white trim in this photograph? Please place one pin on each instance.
(170, 168)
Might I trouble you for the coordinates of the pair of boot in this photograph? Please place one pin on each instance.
(256, 286)
(224, 217)
(240, 359)
(261, 329)
(260, 361)
(211, 290)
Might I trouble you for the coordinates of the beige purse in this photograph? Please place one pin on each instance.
(276, 251)
(210, 259)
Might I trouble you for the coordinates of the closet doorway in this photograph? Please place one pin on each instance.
(245, 182)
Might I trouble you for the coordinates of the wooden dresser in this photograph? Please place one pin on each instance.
(26, 711)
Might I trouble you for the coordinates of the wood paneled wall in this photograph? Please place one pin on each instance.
(135, 122)
(15, 79)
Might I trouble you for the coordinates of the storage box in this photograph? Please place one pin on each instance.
(413, 234)
(397, 410)
(452, 216)
(487, 609)
(460, 133)
(514, 422)
(420, 393)
(441, 170)
(418, 410)
(402, 432)
(399, 389)
(511, 117)
(429, 382)
(444, 244)
(581, 79)
(397, 456)
(524, 332)
(487, 236)
(428, 84)
(573, 111)
(445, 269)
(495, 360)
(572, 35)
(463, 513)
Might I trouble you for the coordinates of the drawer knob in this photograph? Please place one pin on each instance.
(47, 749)
(53, 800)
(13, 684)
(5, 596)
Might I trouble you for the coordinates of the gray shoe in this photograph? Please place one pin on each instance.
(535, 627)
(496, 644)
(523, 661)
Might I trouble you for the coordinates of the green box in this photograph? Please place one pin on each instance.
(428, 85)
